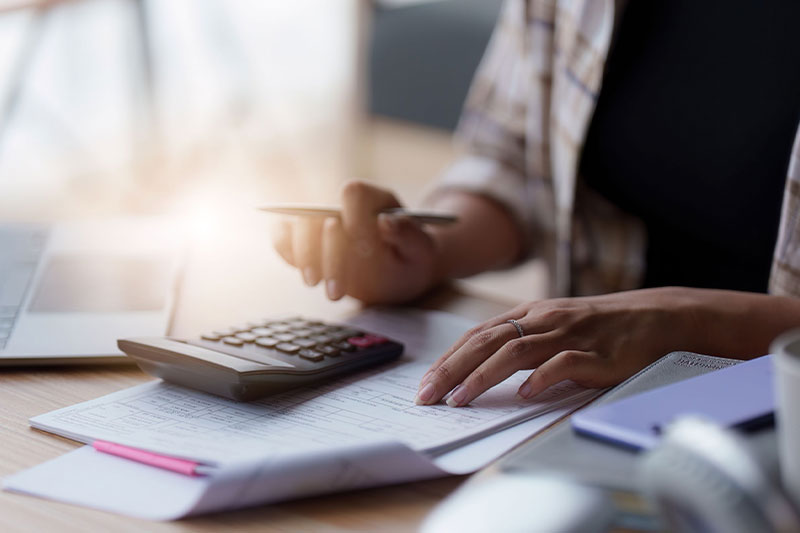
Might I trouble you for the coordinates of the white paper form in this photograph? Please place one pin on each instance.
(373, 406)
(100, 481)
(357, 433)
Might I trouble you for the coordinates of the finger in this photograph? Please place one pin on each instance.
(477, 330)
(306, 236)
(452, 371)
(406, 236)
(361, 203)
(282, 240)
(517, 354)
(334, 262)
(584, 368)
(523, 352)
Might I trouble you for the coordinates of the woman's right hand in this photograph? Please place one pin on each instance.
(376, 258)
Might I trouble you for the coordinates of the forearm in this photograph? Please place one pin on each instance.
(485, 237)
(733, 323)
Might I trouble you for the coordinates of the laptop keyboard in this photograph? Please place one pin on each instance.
(21, 247)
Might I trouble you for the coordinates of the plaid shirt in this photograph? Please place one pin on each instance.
(523, 127)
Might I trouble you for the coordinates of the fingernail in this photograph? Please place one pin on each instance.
(425, 394)
(525, 390)
(332, 286)
(309, 276)
(458, 397)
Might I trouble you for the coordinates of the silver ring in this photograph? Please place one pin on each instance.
(516, 325)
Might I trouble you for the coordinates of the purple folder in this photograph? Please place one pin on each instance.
(737, 396)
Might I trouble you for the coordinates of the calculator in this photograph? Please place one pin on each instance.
(261, 358)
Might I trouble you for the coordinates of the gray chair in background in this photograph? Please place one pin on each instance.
(422, 58)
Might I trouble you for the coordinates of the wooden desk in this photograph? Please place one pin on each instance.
(213, 293)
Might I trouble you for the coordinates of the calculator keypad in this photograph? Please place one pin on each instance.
(290, 339)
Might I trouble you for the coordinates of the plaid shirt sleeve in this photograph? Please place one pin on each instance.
(785, 275)
(522, 130)
(492, 129)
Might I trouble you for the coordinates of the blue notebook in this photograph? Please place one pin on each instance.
(738, 396)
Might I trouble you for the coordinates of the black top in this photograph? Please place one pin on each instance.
(693, 132)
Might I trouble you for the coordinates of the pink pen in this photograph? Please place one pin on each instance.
(173, 464)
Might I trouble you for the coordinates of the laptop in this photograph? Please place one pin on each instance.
(69, 290)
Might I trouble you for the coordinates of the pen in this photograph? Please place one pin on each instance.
(424, 217)
(173, 464)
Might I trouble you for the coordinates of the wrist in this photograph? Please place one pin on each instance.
(486, 237)
(728, 323)
(694, 318)
(683, 317)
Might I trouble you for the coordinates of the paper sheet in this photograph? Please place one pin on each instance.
(368, 407)
(93, 479)
(359, 432)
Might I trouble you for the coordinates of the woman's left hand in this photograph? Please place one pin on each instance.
(594, 341)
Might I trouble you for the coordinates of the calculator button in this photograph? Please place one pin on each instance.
(344, 346)
(240, 328)
(330, 351)
(288, 347)
(311, 355)
(246, 337)
(233, 341)
(224, 332)
(322, 339)
(262, 331)
(305, 343)
(267, 342)
(344, 334)
(361, 342)
(302, 332)
(277, 326)
(285, 337)
(367, 340)
(210, 337)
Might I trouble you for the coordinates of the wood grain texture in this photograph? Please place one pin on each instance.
(27, 392)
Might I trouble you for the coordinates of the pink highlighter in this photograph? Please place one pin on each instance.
(173, 464)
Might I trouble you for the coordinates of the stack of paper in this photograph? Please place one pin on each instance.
(363, 430)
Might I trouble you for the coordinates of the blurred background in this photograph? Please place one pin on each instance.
(211, 107)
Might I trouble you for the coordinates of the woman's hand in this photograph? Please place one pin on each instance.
(370, 256)
(595, 341)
